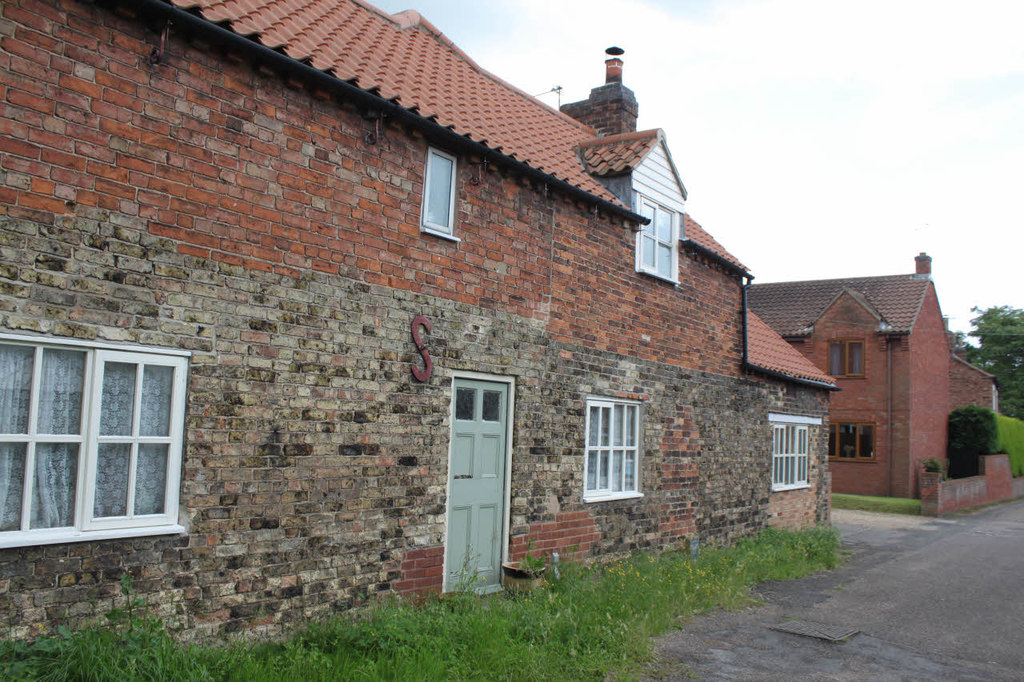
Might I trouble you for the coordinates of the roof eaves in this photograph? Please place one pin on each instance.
(429, 126)
(708, 253)
(790, 377)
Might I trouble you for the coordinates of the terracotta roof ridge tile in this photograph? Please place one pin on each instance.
(621, 137)
(411, 19)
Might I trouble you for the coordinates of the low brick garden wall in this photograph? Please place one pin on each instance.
(994, 484)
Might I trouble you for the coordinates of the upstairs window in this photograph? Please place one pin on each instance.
(611, 468)
(90, 442)
(657, 244)
(846, 358)
(851, 441)
(438, 216)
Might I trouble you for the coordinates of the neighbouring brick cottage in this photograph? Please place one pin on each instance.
(970, 385)
(885, 340)
(299, 305)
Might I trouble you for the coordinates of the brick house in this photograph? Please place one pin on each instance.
(300, 307)
(970, 385)
(884, 339)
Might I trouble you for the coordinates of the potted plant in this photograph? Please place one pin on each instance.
(524, 575)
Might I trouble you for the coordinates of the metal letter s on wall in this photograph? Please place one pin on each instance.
(428, 365)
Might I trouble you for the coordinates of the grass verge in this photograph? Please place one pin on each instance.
(888, 505)
(582, 626)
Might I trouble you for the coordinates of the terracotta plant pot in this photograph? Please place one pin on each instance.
(514, 579)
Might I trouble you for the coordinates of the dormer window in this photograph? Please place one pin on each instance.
(657, 244)
(438, 216)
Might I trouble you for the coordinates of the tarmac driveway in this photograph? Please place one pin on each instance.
(931, 599)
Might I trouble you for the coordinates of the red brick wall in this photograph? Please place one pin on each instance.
(205, 205)
(929, 375)
(920, 395)
(994, 484)
(863, 399)
(969, 385)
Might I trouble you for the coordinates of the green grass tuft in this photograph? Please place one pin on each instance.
(588, 624)
(888, 505)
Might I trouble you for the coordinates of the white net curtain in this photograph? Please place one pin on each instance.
(59, 439)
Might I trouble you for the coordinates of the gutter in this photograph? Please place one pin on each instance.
(432, 130)
(729, 265)
(789, 377)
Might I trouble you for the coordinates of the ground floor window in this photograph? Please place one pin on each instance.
(851, 440)
(790, 447)
(90, 441)
(611, 468)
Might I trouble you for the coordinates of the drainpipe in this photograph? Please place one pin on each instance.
(888, 411)
(746, 337)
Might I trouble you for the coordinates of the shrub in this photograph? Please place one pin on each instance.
(972, 432)
(1011, 441)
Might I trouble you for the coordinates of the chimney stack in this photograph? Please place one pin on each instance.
(611, 108)
(924, 265)
(613, 65)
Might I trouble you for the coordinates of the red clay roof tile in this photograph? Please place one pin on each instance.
(768, 350)
(406, 59)
(617, 154)
(410, 61)
(694, 232)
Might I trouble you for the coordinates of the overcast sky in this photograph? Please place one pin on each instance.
(816, 138)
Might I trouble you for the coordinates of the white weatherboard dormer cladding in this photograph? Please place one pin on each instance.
(660, 196)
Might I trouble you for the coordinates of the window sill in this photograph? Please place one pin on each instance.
(854, 460)
(648, 273)
(787, 488)
(608, 497)
(36, 538)
(437, 233)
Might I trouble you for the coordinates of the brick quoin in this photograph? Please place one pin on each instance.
(203, 204)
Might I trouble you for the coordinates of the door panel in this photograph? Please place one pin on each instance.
(476, 484)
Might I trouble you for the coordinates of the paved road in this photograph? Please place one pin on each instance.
(932, 599)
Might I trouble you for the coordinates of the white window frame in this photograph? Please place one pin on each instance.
(791, 440)
(604, 454)
(426, 225)
(86, 526)
(648, 235)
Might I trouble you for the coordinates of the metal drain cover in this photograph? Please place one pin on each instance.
(830, 633)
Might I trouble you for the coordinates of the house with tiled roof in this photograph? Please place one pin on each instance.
(299, 305)
(885, 341)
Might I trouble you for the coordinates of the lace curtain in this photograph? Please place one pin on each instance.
(59, 413)
(54, 473)
(16, 373)
(114, 459)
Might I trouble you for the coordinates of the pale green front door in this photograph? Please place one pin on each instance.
(476, 484)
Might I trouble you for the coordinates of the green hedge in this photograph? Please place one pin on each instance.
(1011, 441)
(973, 431)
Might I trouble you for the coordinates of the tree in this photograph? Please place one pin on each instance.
(1000, 351)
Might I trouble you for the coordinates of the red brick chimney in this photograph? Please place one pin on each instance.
(924, 265)
(611, 108)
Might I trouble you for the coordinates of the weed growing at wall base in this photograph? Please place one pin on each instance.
(585, 624)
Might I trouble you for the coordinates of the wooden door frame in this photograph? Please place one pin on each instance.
(506, 502)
